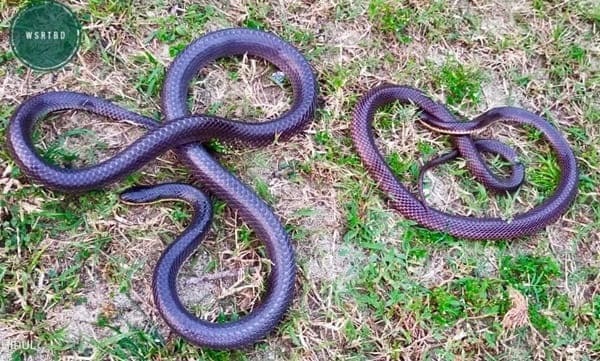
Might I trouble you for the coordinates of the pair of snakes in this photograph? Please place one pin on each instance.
(184, 133)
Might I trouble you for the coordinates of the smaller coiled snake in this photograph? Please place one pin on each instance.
(436, 117)
(182, 131)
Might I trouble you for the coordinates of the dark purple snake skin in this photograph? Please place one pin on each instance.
(184, 133)
(439, 117)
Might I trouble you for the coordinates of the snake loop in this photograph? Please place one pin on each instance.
(436, 117)
(184, 133)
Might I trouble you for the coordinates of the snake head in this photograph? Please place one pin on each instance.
(142, 194)
(165, 192)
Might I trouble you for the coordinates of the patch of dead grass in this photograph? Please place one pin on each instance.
(517, 315)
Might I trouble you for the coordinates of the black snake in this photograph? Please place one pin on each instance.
(184, 133)
(436, 117)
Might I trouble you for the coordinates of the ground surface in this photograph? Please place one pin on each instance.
(75, 271)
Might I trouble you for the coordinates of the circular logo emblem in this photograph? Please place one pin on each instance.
(45, 35)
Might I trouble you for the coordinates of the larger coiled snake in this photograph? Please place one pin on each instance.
(184, 133)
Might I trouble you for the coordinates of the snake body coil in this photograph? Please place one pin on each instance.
(184, 132)
(437, 117)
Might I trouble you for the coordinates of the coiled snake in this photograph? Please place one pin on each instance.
(436, 117)
(184, 133)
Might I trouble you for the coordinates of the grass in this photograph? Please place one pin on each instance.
(75, 270)
(463, 84)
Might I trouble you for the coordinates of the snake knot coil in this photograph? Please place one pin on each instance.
(437, 117)
(184, 133)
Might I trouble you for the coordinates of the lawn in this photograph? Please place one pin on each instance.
(75, 270)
